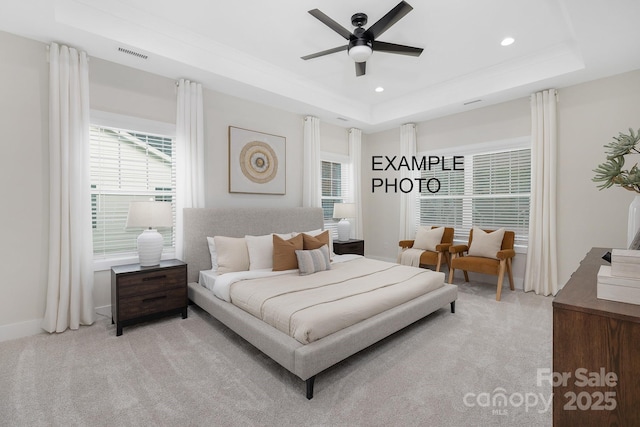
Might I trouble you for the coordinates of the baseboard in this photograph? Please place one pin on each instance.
(20, 330)
(32, 327)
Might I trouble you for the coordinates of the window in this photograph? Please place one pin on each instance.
(493, 191)
(127, 166)
(335, 187)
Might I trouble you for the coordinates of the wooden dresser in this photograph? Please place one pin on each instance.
(596, 346)
(143, 293)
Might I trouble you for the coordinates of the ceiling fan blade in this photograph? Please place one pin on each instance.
(331, 23)
(325, 52)
(361, 68)
(393, 16)
(396, 48)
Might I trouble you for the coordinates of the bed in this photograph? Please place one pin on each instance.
(303, 359)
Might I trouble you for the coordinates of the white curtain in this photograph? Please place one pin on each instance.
(541, 275)
(312, 175)
(407, 200)
(355, 157)
(189, 153)
(70, 279)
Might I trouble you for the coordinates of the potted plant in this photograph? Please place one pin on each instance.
(612, 172)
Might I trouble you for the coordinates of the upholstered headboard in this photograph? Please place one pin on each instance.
(200, 223)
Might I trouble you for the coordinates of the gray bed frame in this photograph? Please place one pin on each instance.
(304, 361)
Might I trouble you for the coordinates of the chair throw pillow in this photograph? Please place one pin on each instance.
(486, 244)
(314, 260)
(428, 238)
(284, 252)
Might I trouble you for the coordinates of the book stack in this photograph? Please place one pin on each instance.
(620, 281)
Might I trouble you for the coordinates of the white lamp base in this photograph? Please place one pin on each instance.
(150, 244)
(344, 229)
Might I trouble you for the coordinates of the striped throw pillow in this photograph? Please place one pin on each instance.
(314, 260)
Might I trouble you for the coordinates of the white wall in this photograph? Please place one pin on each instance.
(500, 122)
(115, 89)
(589, 115)
(24, 168)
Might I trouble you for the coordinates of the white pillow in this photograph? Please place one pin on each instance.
(486, 244)
(428, 238)
(261, 250)
(212, 251)
(232, 254)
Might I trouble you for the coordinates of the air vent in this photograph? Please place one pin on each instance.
(472, 102)
(134, 53)
(342, 119)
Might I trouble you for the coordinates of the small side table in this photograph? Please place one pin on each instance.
(351, 246)
(140, 293)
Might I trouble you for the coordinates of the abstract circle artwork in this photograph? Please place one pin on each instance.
(258, 162)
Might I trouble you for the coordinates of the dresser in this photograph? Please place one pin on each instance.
(140, 293)
(596, 353)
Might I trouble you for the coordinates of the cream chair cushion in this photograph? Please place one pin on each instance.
(428, 238)
(486, 244)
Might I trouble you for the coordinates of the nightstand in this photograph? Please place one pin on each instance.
(140, 293)
(351, 246)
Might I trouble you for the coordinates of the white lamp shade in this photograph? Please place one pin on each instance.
(344, 210)
(149, 215)
(360, 53)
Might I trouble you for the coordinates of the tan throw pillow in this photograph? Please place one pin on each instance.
(284, 252)
(428, 238)
(232, 254)
(486, 244)
(315, 242)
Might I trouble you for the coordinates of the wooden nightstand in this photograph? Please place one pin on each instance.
(351, 246)
(140, 293)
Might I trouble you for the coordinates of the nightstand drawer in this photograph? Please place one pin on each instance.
(352, 246)
(152, 281)
(142, 305)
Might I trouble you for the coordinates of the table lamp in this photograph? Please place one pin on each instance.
(344, 211)
(149, 215)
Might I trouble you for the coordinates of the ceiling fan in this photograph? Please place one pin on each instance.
(363, 42)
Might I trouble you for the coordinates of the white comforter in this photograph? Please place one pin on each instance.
(311, 307)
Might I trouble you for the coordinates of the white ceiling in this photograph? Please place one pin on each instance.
(252, 49)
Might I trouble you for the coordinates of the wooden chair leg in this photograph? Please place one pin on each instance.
(439, 261)
(451, 270)
(447, 259)
(466, 276)
(510, 272)
(500, 279)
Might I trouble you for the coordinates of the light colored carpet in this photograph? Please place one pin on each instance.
(444, 370)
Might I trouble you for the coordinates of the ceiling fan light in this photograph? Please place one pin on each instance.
(360, 53)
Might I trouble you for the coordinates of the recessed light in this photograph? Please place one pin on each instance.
(379, 89)
(507, 41)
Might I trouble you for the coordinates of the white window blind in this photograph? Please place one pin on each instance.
(336, 188)
(127, 166)
(493, 191)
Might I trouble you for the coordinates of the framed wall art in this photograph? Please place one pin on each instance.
(257, 162)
